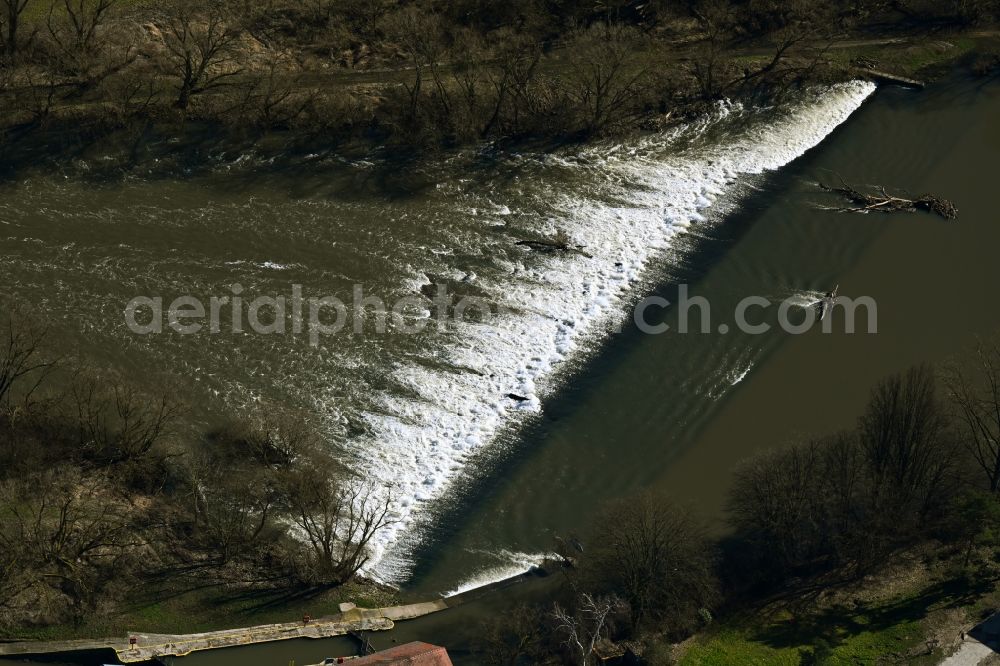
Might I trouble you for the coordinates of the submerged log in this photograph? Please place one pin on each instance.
(552, 246)
(883, 202)
(888, 78)
(560, 243)
(544, 246)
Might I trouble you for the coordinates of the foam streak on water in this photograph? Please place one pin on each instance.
(509, 564)
(654, 191)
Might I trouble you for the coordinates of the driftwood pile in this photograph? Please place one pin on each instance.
(883, 202)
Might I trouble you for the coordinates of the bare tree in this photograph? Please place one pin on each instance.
(513, 69)
(82, 45)
(235, 479)
(10, 24)
(709, 60)
(16, 574)
(367, 15)
(514, 637)
(116, 422)
(272, 436)
(71, 531)
(774, 69)
(83, 19)
(773, 502)
(22, 355)
(655, 555)
(974, 390)
(604, 77)
(583, 630)
(274, 97)
(845, 501)
(420, 34)
(903, 438)
(199, 42)
(235, 504)
(319, 11)
(804, 508)
(337, 522)
(713, 67)
(39, 94)
(468, 56)
(131, 92)
(839, 504)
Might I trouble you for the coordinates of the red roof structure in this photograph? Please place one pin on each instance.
(410, 654)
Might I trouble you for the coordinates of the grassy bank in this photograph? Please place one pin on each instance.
(344, 111)
(914, 613)
(115, 516)
(177, 606)
(416, 77)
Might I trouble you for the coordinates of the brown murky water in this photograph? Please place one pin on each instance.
(643, 416)
(675, 411)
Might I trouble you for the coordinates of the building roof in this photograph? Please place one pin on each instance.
(410, 654)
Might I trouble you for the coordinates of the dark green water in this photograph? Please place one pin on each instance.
(677, 412)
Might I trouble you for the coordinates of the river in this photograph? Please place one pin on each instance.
(677, 412)
(484, 480)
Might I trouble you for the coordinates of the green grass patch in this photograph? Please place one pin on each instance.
(910, 58)
(737, 647)
(843, 645)
(843, 635)
(176, 608)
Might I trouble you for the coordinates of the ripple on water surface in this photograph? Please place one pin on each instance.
(405, 410)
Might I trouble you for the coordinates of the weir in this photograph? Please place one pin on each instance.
(639, 201)
(145, 647)
(150, 647)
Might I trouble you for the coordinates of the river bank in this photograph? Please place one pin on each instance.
(355, 114)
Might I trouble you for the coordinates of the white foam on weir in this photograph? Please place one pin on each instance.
(512, 564)
(806, 299)
(736, 376)
(421, 444)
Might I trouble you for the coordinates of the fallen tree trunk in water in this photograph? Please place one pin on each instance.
(886, 203)
(560, 243)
